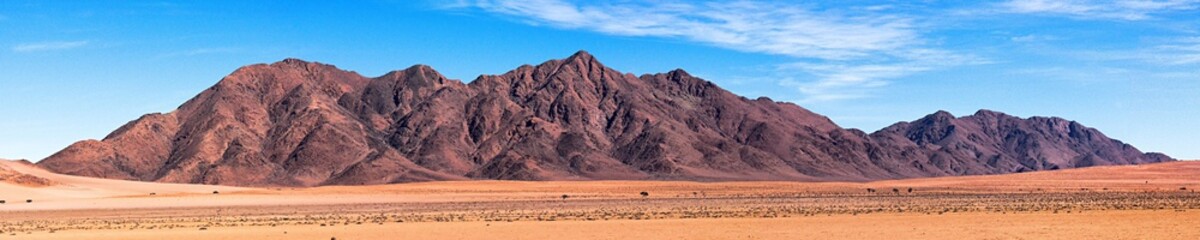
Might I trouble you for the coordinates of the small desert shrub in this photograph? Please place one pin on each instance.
(645, 194)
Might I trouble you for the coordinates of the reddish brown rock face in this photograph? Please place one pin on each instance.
(297, 123)
(990, 142)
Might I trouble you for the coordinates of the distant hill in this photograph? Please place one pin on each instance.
(298, 123)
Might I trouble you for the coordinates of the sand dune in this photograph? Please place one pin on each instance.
(12, 176)
(84, 192)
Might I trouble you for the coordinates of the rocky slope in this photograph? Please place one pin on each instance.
(991, 142)
(298, 123)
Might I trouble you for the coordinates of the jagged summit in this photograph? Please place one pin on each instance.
(988, 113)
(293, 61)
(582, 56)
(941, 114)
(301, 123)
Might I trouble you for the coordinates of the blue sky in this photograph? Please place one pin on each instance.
(73, 70)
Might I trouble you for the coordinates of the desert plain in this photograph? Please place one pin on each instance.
(1153, 201)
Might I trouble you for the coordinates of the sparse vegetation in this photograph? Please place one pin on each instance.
(726, 203)
(508, 202)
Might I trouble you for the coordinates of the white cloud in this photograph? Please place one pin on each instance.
(852, 81)
(201, 51)
(847, 50)
(48, 46)
(1025, 38)
(1033, 38)
(1172, 59)
(1183, 52)
(1083, 75)
(878, 7)
(843, 82)
(1175, 52)
(744, 26)
(1101, 9)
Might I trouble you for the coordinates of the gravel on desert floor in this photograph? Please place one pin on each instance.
(1155, 201)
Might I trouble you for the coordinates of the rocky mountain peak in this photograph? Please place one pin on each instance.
(939, 116)
(581, 57)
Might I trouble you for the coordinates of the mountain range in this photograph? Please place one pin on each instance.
(299, 123)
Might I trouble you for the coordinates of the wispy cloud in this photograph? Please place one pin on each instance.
(1082, 75)
(1032, 38)
(1181, 52)
(1170, 59)
(49, 46)
(1101, 9)
(1174, 52)
(841, 82)
(836, 81)
(201, 51)
(745, 26)
(845, 49)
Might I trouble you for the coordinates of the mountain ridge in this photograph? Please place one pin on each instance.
(300, 123)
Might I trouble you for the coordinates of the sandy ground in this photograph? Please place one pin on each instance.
(1129, 202)
(1097, 225)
